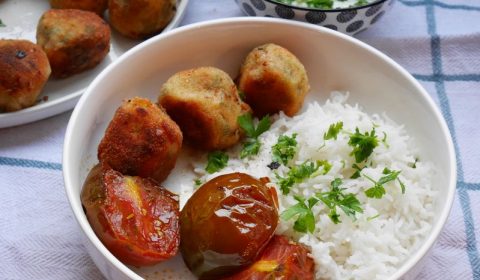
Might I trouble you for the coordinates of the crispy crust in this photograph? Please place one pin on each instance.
(139, 19)
(205, 104)
(96, 6)
(24, 69)
(141, 140)
(273, 80)
(74, 40)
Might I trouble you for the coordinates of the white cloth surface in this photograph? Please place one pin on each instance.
(438, 41)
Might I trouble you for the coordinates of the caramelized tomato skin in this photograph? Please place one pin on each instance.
(226, 223)
(281, 259)
(135, 218)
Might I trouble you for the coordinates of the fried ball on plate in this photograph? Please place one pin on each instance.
(273, 80)
(74, 40)
(139, 19)
(141, 140)
(96, 6)
(24, 70)
(205, 103)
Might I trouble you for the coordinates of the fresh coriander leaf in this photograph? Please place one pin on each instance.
(358, 169)
(336, 197)
(285, 149)
(263, 125)
(336, 183)
(252, 145)
(326, 166)
(305, 220)
(378, 189)
(2, 24)
(363, 144)
(217, 160)
(198, 182)
(333, 131)
(297, 174)
(402, 186)
(250, 148)
(246, 123)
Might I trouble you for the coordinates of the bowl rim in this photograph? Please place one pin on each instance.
(254, 21)
(327, 10)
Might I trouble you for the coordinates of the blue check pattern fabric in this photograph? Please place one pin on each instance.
(437, 41)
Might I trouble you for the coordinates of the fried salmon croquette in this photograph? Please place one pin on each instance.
(141, 140)
(24, 71)
(273, 80)
(74, 40)
(205, 103)
(96, 6)
(139, 19)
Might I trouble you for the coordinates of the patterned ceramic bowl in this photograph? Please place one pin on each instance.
(350, 21)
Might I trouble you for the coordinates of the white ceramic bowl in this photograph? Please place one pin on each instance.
(333, 62)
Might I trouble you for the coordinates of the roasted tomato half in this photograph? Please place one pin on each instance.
(226, 223)
(281, 259)
(135, 218)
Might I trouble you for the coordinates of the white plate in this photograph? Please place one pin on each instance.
(333, 61)
(21, 18)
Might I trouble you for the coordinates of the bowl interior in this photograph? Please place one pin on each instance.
(333, 62)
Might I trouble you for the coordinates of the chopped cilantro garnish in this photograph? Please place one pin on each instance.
(285, 148)
(363, 144)
(252, 145)
(358, 169)
(198, 182)
(378, 189)
(297, 174)
(333, 131)
(2, 24)
(337, 198)
(303, 212)
(217, 160)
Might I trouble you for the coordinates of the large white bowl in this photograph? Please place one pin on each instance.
(333, 62)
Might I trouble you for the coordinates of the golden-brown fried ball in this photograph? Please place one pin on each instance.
(96, 6)
(141, 140)
(74, 40)
(205, 103)
(273, 80)
(140, 19)
(24, 70)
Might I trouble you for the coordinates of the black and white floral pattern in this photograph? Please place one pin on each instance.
(350, 21)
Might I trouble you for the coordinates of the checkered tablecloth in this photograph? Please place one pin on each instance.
(438, 41)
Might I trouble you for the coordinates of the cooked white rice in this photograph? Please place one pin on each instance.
(368, 248)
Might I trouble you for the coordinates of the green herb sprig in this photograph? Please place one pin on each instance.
(252, 144)
(378, 189)
(337, 198)
(217, 160)
(285, 148)
(333, 131)
(300, 173)
(363, 144)
(305, 220)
